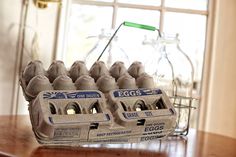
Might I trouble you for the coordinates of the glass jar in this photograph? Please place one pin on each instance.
(115, 52)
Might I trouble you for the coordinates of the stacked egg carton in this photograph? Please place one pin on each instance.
(78, 105)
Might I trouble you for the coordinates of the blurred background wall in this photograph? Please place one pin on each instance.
(11, 16)
(218, 106)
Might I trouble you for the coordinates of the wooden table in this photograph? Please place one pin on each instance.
(17, 139)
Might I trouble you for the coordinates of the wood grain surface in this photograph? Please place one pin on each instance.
(17, 139)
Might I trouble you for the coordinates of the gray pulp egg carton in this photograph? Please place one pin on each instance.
(80, 106)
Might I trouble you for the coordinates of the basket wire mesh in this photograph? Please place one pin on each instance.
(183, 103)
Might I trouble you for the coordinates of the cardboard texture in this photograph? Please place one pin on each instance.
(71, 107)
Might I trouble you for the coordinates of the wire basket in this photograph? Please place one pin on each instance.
(184, 105)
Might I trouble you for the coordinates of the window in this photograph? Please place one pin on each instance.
(88, 19)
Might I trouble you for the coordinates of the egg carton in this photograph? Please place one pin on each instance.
(81, 106)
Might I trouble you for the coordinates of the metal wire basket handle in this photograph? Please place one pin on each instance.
(129, 24)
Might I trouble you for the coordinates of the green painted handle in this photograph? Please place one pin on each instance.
(141, 26)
